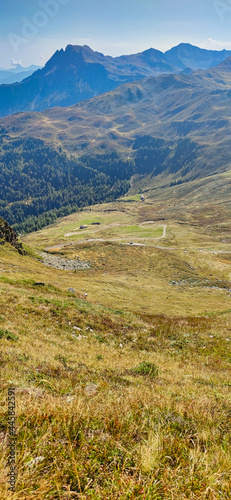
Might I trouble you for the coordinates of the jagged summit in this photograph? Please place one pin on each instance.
(80, 48)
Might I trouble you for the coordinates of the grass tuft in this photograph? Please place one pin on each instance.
(5, 334)
(147, 369)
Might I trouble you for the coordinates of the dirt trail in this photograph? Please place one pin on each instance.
(102, 228)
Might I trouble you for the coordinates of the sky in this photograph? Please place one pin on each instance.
(32, 30)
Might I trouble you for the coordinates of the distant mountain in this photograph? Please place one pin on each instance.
(79, 73)
(172, 127)
(224, 67)
(17, 74)
(188, 56)
(195, 105)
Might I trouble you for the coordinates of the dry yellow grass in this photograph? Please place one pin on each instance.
(86, 400)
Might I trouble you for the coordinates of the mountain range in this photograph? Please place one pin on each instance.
(78, 73)
(16, 74)
(194, 106)
(172, 127)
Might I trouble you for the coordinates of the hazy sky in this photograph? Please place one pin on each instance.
(32, 30)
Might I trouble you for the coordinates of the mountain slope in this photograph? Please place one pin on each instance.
(79, 73)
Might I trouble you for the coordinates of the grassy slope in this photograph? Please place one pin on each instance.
(129, 435)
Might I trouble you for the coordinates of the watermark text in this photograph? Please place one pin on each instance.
(222, 7)
(31, 27)
(12, 439)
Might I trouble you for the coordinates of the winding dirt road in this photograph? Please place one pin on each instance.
(114, 240)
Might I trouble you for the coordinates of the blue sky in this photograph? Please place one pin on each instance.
(32, 30)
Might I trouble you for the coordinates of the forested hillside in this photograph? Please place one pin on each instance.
(39, 183)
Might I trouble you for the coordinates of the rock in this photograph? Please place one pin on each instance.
(31, 391)
(104, 436)
(71, 290)
(79, 337)
(70, 399)
(62, 263)
(44, 308)
(34, 462)
(3, 437)
(91, 389)
(8, 235)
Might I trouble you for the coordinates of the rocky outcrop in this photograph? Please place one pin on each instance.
(62, 263)
(8, 235)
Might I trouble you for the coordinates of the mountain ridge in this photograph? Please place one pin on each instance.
(78, 73)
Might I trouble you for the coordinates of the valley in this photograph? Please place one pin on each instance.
(170, 133)
(132, 261)
(115, 293)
